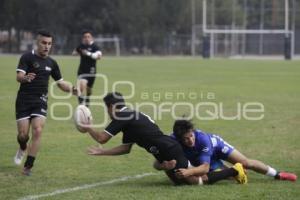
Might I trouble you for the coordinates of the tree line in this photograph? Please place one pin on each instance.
(139, 22)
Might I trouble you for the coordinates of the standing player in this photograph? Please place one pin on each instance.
(206, 152)
(141, 129)
(33, 73)
(89, 53)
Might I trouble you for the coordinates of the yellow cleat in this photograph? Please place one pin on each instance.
(241, 178)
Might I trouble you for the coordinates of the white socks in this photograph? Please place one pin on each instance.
(200, 181)
(271, 171)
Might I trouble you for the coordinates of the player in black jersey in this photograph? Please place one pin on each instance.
(140, 129)
(33, 72)
(89, 53)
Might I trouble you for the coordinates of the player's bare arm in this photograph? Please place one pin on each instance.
(66, 87)
(100, 136)
(194, 171)
(118, 150)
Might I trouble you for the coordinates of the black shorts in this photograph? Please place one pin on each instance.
(89, 77)
(87, 73)
(29, 106)
(173, 153)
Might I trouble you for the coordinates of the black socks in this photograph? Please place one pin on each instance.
(29, 162)
(84, 100)
(221, 175)
(80, 99)
(87, 101)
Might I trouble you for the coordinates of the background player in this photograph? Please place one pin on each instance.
(206, 152)
(33, 73)
(141, 129)
(89, 53)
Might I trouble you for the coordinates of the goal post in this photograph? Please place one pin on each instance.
(115, 41)
(237, 37)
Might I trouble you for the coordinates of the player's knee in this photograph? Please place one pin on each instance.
(156, 165)
(22, 132)
(245, 163)
(23, 136)
(83, 85)
(37, 132)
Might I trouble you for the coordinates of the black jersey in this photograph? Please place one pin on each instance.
(139, 128)
(43, 68)
(87, 64)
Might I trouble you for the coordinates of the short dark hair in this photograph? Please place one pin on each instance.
(44, 33)
(86, 31)
(181, 127)
(114, 98)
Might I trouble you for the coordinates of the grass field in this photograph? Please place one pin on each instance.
(62, 161)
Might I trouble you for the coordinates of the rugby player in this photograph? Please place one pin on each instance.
(89, 53)
(140, 129)
(206, 151)
(33, 72)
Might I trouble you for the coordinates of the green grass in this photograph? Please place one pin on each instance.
(62, 161)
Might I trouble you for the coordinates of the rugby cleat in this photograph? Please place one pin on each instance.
(26, 171)
(19, 157)
(286, 176)
(241, 178)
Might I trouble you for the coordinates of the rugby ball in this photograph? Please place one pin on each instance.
(82, 117)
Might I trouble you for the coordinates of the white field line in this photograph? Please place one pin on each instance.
(87, 186)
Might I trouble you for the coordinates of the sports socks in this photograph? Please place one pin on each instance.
(80, 99)
(87, 101)
(84, 100)
(29, 162)
(220, 175)
(271, 172)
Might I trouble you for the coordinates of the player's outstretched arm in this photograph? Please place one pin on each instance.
(118, 150)
(96, 55)
(66, 87)
(194, 171)
(100, 136)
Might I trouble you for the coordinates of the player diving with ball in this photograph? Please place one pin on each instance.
(140, 129)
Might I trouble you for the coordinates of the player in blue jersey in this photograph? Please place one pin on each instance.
(206, 152)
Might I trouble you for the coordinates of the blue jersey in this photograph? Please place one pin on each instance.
(209, 148)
